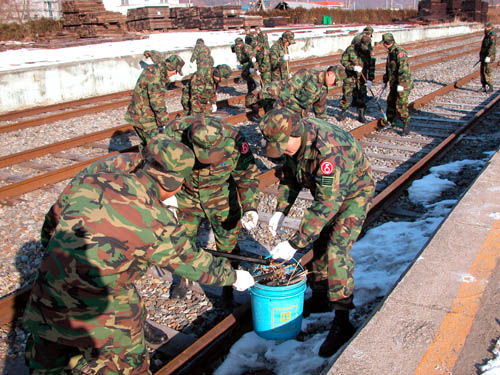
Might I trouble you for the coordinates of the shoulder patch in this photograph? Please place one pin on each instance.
(401, 54)
(493, 36)
(244, 148)
(326, 168)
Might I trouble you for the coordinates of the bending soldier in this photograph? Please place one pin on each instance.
(487, 57)
(223, 187)
(398, 76)
(199, 95)
(280, 56)
(246, 58)
(84, 313)
(330, 162)
(261, 37)
(360, 72)
(147, 111)
(202, 56)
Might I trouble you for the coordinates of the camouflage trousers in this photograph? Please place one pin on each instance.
(193, 106)
(223, 213)
(354, 91)
(332, 250)
(277, 74)
(397, 105)
(486, 74)
(266, 77)
(146, 131)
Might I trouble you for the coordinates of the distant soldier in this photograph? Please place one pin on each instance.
(356, 60)
(307, 88)
(487, 56)
(280, 56)
(261, 37)
(155, 56)
(249, 37)
(84, 313)
(202, 56)
(147, 111)
(223, 188)
(248, 62)
(263, 56)
(329, 162)
(199, 95)
(367, 31)
(398, 75)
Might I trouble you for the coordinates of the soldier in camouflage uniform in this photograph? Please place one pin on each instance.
(249, 36)
(357, 61)
(263, 57)
(398, 75)
(103, 233)
(332, 165)
(367, 31)
(155, 56)
(261, 37)
(147, 111)
(246, 58)
(223, 187)
(280, 56)
(202, 56)
(307, 88)
(199, 95)
(487, 57)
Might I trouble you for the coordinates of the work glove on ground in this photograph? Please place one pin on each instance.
(249, 220)
(369, 85)
(214, 108)
(275, 222)
(283, 251)
(358, 69)
(243, 280)
(400, 88)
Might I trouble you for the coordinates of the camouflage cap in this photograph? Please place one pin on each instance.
(222, 71)
(277, 126)
(488, 24)
(207, 138)
(168, 162)
(368, 29)
(238, 41)
(175, 62)
(388, 38)
(288, 36)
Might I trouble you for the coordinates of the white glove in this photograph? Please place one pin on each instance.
(214, 108)
(286, 57)
(358, 68)
(257, 72)
(175, 77)
(275, 222)
(283, 251)
(239, 66)
(254, 59)
(400, 88)
(251, 70)
(249, 220)
(171, 204)
(243, 280)
(487, 59)
(369, 85)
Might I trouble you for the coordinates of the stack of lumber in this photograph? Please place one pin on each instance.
(221, 17)
(151, 18)
(89, 18)
(252, 21)
(186, 18)
(275, 21)
(466, 10)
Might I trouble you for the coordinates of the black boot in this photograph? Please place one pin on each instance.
(227, 296)
(343, 115)
(179, 290)
(340, 332)
(361, 115)
(489, 89)
(153, 335)
(484, 89)
(319, 302)
(406, 127)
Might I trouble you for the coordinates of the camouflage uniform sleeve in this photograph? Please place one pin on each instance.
(246, 176)
(349, 59)
(493, 46)
(194, 56)
(403, 74)
(288, 189)
(156, 57)
(319, 106)
(50, 223)
(156, 94)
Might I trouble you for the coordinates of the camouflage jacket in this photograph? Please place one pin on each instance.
(112, 229)
(488, 46)
(147, 104)
(397, 68)
(155, 56)
(353, 56)
(263, 58)
(278, 63)
(262, 40)
(250, 40)
(202, 87)
(203, 57)
(244, 55)
(333, 166)
(213, 182)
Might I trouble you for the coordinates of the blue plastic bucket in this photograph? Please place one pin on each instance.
(277, 310)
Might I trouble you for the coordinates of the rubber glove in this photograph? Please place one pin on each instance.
(358, 68)
(369, 85)
(214, 108)
(400, 88)
(243, 280)
(257, 72)
(487, 59)
(283, 250)
(254, 59)
(286, 57)
(171, 204)
(275, 222)
(249, 220)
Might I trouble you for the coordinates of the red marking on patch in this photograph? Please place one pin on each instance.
(327, 168)
(244, 148)
(493, 37)
(401, 54)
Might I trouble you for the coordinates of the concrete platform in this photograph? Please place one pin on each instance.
(442, 317)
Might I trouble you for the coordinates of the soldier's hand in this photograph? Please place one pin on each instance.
(286, 57)
(254, 60)
(275, 222)
(400, 88)
(214, 108)
(358, 69)
(243, 280)
(257, 72)
(249, 220)
(171, 204)
(283, 251)
(369, 85)
(487, 59)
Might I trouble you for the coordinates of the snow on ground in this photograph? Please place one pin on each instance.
(493, 366)
(381, 257)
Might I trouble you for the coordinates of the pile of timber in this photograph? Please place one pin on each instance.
(186, 18)
(89, 19)
(151, 18)
(275, 21)
(252, 21)
(221, 17)
(448, 10)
